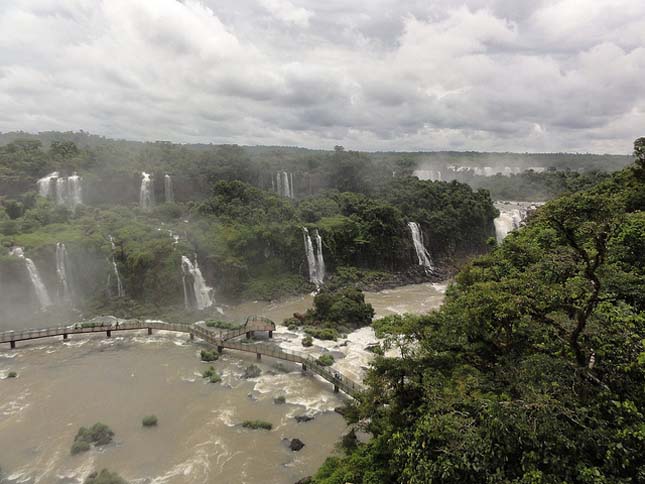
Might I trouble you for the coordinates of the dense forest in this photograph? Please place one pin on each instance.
(533, 370)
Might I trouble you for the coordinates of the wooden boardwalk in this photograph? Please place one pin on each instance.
(220, 339)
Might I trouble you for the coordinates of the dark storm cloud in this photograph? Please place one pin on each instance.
(368, 74)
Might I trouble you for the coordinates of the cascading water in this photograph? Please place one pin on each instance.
(64, 289)
(511, 216)
(63, 190)
(422, 253)
(284, 184)
(315, 259)
(169, 194)
(146, 197)
(34, 275)
(202, 293)
(45, 184)
(120, 292)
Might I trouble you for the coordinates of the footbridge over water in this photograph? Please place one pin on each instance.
(218, 338)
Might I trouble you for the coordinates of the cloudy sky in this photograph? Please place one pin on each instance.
(495, 75)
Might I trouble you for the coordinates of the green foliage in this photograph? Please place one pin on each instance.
(344, 308)
(252, 371)
(149, 421)
(330, 334)
(215, 323)
(104, 477)
(209, 372)
(326, 360)
(209, 355)
(98, 434)
(257, 425)
(279, 400)
(307, 341)
(532, 371)
(12, 374)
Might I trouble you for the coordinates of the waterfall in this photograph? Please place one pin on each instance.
(315, 259)
(120, 292)
(64, 291)
(74, 191)
(63, 190)
(146, 196)
(284, 184)
(422, 253)
(202, 293)
(511, 216)
(34, 275)
(45, 184)
(167, 189)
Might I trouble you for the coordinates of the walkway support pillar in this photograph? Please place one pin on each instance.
(258, 356)
(304, 367)
(109, 333)
(149, 331)
(270, 334)
(335, 388)
(65, 336)
(13, 345)
(220, 349)
(248, 335)
(192, 336)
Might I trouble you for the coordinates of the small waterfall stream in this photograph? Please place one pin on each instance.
(202, 294)
(284, 184)
(146, 196)
(169, 194)
(315, 259)
(34, 276)
(66, 191)
(64, 287)
(120, 292)
(422, 253)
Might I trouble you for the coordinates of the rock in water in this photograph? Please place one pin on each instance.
(303, 418)
(296, 445)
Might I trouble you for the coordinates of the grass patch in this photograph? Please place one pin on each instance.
(307, 341)
(252, 371)
(150, 421)
(329, 334)
(257, 425)
(12, 374)
(279, 400)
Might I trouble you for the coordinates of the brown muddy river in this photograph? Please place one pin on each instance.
(64, 385)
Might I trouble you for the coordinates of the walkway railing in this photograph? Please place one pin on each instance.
(219, 338)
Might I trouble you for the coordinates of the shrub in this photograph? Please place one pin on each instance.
(150, 421)
(215, 323)
(79, 446)
(104, 477)
(322, 333)
(215, 378)
(97, 434)
(207, 373)
(209, 356)
(307, 341)
(257, 424)
(12, 374)
(279, 400)
(326, 360)
(252, 371)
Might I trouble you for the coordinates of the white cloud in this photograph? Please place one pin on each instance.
(368, 74)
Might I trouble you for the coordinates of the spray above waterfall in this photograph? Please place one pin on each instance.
(169, 194)
(67, 191)
(422, 253)
(198, 294)
(146, 194)
(34, 276)
(315, 259)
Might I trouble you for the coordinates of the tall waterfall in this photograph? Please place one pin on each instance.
(64, 289)
(202, 293)
(315, 259)
(146, 195)
(169, 194)
(63, 190)
(120, 292)
(422, 253)
(284, 184)
(34, 275)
